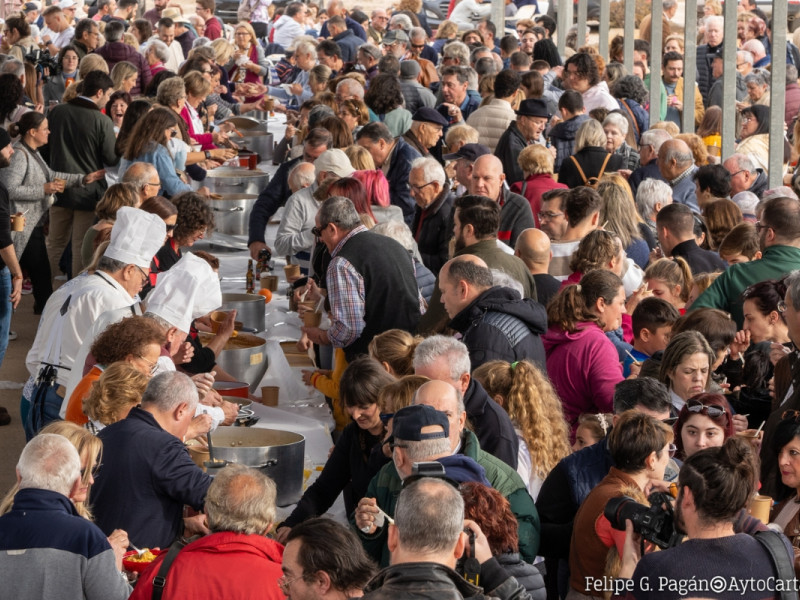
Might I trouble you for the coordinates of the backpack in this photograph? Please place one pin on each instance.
(591, 182)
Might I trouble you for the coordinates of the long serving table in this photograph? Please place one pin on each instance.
(300, 409)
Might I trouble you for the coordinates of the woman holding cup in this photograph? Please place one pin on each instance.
(31, 188)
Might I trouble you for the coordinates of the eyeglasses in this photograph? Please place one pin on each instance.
(284, 583)
(418, 46)
(710, 410)
(171, 228)
(418, 188)
(317, 231)
(739, 171)
(759, 226)
(157, 184)
(144, 275)
(791, 414)
(549, 216)
(672, 450)
(152, 365)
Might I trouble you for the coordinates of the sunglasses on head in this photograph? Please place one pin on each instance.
(710, 410)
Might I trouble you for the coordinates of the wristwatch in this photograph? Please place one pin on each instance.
(208, 154)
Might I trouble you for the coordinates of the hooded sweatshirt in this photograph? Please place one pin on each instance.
(499, 325)
(584, 368)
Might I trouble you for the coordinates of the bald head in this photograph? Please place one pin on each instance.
(445, 398)
(487, 177)
(302, 176)
(533, 247)
(462, 280)
(145, 177)
(674, 157)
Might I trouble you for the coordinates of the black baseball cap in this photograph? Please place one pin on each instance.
(471, 152)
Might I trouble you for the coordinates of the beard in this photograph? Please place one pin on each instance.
(4, 161)
(680, 526)
(459, 243)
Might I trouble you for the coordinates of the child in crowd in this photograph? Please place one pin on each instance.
(700, 284)
(740, 245)
(591, 429)
(670, 279)
(652, 321)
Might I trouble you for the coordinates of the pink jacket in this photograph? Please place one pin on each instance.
(206, 140)
(583, 367)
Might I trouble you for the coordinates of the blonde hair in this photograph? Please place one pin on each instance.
(447, 30)
(619, 209)
(667, 126)
(360, 158)
(131, 40)
(533, 406)
(535, 159)
(400, 393)
(396, 348)
(89, 448)
(461, 134)
(703, 281)
(122, 71)
(598, 425)
(673, 272)
(120, 386)
(590, 133)
(223, 50)
(249, 29)
(697, 146)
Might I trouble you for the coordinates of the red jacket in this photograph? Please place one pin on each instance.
(213, 28)
(535, 186)
(226, 565)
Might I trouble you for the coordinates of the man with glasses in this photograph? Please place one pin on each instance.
(205, 10)
(779, 239)
(68, 316)
(87, 36)
(145, 177)
(745, 176)
(581, 74)
(649, 145)
(377, 26)
(432, 228)
(324, 560)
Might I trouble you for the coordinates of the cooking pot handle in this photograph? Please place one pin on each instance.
(270, 463)
(228, 210)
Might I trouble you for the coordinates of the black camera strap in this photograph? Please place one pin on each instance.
(773, 543)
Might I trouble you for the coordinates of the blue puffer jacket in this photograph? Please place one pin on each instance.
(562, 136)
(426, 280)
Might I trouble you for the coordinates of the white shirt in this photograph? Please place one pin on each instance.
(462, 13)
(89, 298)
(175, 53)
(286, 30)
(294, 233)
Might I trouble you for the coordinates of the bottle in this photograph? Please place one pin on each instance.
(249, 277)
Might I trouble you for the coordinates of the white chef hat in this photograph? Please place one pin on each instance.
(188, 290)
(136, 237)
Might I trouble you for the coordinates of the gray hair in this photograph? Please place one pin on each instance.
(159, 48)
(668, 4)
(745, 56)
(714, 19)
(305, 48)
(317, 114)
(302, 175)
(113, 31)
(340, 211)
(435, 347)
(479, 276)
(422, 525)
(139, 175)
(398, 231)
(351, 86)
(403, 20)
(167, 391)
(755, 47)
(472, 78)
(793, 287)
(13, 66)
(431, 169)
(649, 193)
(49, 462)
(170, 91)
(110, 265)
(160, 320)
(242, 500)
(457, 50)
(680, 157)
(503, 279)
(654, 138)
(425, 450)
(418, 33)
(743, 162)
(758, 77)
(791, 74)
(618, 121)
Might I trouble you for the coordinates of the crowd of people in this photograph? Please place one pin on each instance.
(537, 302)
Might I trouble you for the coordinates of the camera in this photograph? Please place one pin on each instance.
(46, 65)
(655, 523)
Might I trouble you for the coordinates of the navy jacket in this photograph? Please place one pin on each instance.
(563, 491)
(399, 171)
(352, 25)
(146, 477)
(432, 229)
(491, 425)
(699, 259)
(270, 200)
(648, 171)
(685, 192)
(348, 43)
(562, 136)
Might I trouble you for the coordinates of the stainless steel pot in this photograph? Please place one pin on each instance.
(232, 212)
(260, 142)
(244, 357)
(277, 454)
(247, 123)
(235, 180)
(249, 309)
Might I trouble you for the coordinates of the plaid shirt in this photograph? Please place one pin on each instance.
(347, 296)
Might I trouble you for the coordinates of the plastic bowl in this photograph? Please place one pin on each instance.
(138, 567)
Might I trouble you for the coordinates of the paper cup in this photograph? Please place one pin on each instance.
(269, 282)
(760, 507)
(268, 104)
(217, 319)
(312, 319)
(292, 272)
(17, 222)
(269, 395)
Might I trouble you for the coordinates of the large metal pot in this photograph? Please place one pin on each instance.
(260, 142)
(232, 212)
(249, 309)
(235, 180)
(244, 357)
(247, 123)
(277, 454)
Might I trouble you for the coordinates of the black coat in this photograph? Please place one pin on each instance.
(526, 574)
(705, 54)
(432, 229)
(591, 160)
(511, 143)
(499, 325)
(547, 286)
(491, 425)
(648, 171)
(399, 171)
(270, 200)
(699, 259)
